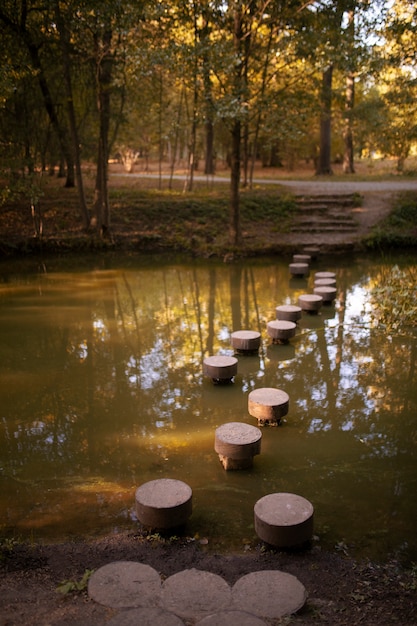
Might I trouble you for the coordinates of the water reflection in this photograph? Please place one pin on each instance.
(102, 389)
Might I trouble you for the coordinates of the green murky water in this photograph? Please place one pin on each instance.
(101, 389)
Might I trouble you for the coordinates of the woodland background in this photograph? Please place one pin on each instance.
(195, 85)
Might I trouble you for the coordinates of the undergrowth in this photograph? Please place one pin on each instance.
(399, 228)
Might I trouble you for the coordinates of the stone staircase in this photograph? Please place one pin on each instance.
(329, 217)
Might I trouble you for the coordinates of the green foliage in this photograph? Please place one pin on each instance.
(394, 300)
(7, 545)
(73, 586)
(399, 229)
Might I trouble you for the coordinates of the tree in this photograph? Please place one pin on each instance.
(28, 27)
(64, 39)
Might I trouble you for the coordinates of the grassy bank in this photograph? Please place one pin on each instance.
(399, 229)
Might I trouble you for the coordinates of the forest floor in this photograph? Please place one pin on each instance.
(341, 590)
(182, 230)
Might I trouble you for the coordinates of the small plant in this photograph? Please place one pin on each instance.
(7, 545)
(393, 299)
(73, 586)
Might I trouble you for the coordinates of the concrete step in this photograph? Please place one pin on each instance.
(324, 228)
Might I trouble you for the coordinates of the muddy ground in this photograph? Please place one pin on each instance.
(341, 591)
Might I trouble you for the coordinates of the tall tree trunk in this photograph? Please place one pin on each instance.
(247, 43)
(234, 222)
(176, 139)
(209, 167)
(21, 31)
(204, 36)
(324, 159)
(64, 41)
(104, 63)
(193, 136)
(260, 109)
(348, 158)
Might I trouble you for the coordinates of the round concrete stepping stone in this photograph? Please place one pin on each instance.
(195, 593)
(310, 302)
(313, 251)
(325, 282)
(299, 269)
(324, 275)
(220, 368)
(231, 618)
(301, 258)
(281, 331)
(145, 617)
(284, 519)
(288, 312)
(163, 503)
(246, 341)
(268, 405)
(125, 584)
(236, 444)
(269, 594)
(327, 293)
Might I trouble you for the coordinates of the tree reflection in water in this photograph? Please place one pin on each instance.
(102, 389)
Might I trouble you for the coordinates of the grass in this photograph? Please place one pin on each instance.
(146, 217)
(399, 228)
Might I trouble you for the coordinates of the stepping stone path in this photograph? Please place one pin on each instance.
(145, 617)
(231, 618)
(327, 293)
(288, 312)
(299, 269)
(163, 503)
(325, 282)
(125, 584)
(310, 302)
(246, 341)
(193, 595)
(284, 520)
(281, 331)
(301, 258)
(221, 369)
(268, 405)
(236, 444)
(270, 594)
(318, 275)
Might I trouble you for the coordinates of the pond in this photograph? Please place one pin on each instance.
(102, 389)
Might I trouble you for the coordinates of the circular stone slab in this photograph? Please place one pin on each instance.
(310, 302)
(236, 444)
(281, 331)
(220, 367)
(301, 258)
(284, 519)
(163, 503)
(194, 593)
(145, 617)
(288, 312)
(327, 293)
(268, 404)
(324, 275)
(299, 269)
(231, 618)
(325, 282)
(269, 594)
(125, 584)
(313, 251)
(246, 340)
